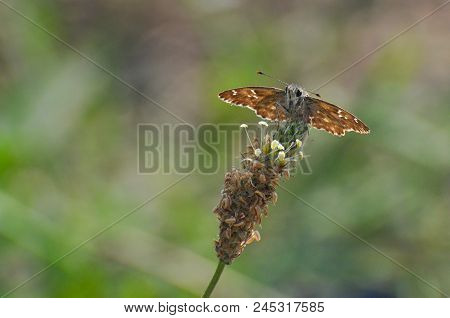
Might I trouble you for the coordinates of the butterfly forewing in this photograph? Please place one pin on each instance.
(333, 119)
(266, 102)
(270, 103)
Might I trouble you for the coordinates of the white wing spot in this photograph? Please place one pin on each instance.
(355, 119)
(234, 92)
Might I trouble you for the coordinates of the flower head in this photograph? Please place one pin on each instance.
(249, 190)
(263, 123)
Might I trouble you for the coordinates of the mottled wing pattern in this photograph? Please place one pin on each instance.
(333, 119)
(266, 102)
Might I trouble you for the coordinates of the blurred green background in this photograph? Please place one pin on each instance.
(68, 147)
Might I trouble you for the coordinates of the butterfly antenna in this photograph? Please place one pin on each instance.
(276, 79)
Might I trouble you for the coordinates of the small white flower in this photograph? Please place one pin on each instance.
(263, 123)
(300, 155)
(281, 155)
(244, 126)
(257, 152)
(274, 144)
(280, 147)
(298, 143)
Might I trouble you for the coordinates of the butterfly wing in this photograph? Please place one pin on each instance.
(333, 119)
(266, 102)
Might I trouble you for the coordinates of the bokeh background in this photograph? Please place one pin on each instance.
(68, 147)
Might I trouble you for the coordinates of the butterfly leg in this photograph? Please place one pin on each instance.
(279, 106)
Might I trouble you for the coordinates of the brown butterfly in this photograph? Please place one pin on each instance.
(295, 103)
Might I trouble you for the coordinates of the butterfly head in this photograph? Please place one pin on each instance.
(295, 92)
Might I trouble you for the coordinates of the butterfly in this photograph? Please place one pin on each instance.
(295, 103)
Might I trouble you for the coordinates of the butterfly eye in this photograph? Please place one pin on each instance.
(298, 93)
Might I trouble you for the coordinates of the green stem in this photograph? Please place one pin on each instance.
(214, 280)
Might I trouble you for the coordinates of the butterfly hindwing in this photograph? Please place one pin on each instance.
(333, 119)
(266, 102)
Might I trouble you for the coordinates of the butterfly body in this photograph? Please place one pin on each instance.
(297, 102)
(294, 103)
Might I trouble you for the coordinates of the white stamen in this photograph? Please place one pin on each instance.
(281, 155)
(274, 144)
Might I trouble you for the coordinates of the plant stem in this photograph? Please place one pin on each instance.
(212, 284)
